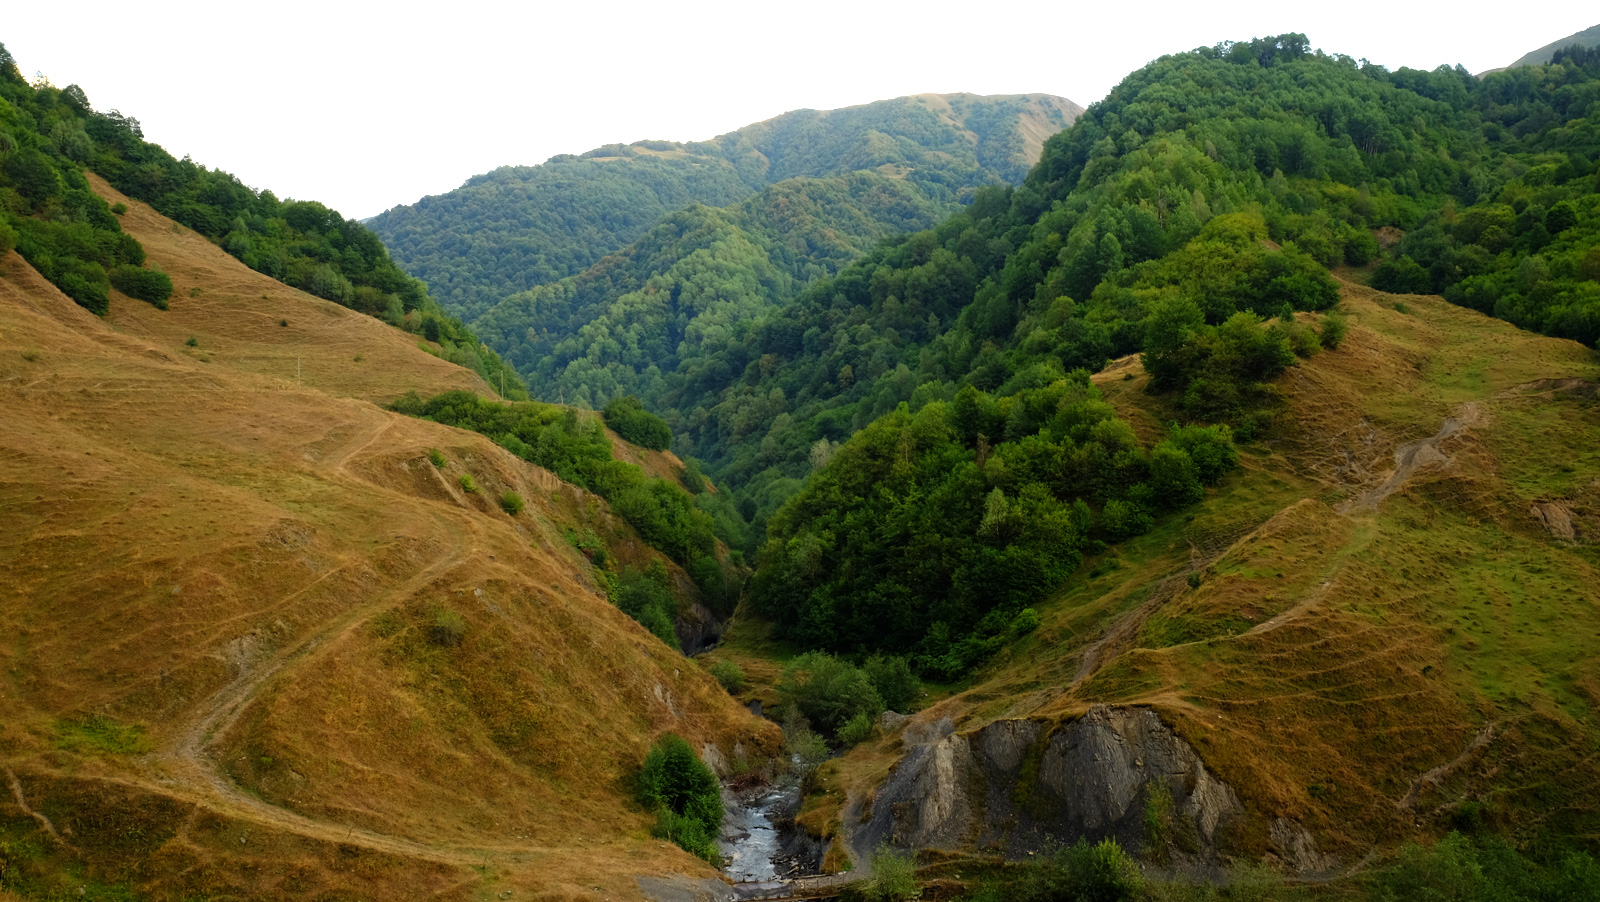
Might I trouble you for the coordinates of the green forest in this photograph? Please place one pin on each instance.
(1185, 218)
(49, 137)
(517, 228)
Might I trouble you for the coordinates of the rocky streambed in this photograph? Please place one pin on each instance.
(763, 848)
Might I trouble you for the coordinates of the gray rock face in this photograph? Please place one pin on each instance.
(1020, 785)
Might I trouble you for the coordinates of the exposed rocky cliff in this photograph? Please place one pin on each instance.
(1016, 786)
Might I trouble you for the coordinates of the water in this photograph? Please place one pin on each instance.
(749, 838)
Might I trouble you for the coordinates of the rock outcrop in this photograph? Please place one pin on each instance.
(1020, 785)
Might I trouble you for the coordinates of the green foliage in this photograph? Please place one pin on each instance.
(628, 418)
(894, 876)
(436, 457)
(1334, 329)
(511, 503)
(150, 285)
(1460, 869)
(829, 692)
(730, 675)
(574, 447)
(192, 342)
(468, 484)
(100, 733)
(964, 535)
(647, 597)
(49, 136)
(1084, 872)
(855, 730)
(891, 675)
(520, 227)
(449, 628)
(685, 795)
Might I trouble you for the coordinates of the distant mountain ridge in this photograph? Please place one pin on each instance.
(1589, 37)
(519, 227)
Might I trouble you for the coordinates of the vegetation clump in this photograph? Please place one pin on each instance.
(628, 418)
(647, 597)
(730, 675)
(142, 284)
(511, 503)
(684, 794)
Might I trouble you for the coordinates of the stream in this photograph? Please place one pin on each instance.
(758, 837)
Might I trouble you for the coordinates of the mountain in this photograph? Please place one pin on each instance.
(264, 638)
(520, 227)
(1589, 37)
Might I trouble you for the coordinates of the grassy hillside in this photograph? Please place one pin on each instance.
(50, 138)
(521, 227)
(1589, 37)
(1383, 626)
(257, 644)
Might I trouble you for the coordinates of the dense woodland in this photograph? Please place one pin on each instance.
(521, 227)
(50, 136)
(1187, 217)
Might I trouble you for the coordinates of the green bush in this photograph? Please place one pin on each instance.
(436, 458)
(828, 691)
(142, 284)
(647, 597)
(8, 236)
(891, 675)
(685, 795)
(511, 503)
(627, 417)
(1101, 872)
(856, 730)
(730, 675)
(894, 876)
(468, 484)
(119, 208)
(1334, 328)
(449, 629)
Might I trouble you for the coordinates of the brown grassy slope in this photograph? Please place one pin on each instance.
(253, 643)
(1341, 645)
(234, 313)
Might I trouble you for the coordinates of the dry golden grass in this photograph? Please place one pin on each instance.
(219, 673)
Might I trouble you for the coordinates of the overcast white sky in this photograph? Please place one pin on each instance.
(367, 105)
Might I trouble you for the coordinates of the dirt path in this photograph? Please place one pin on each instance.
(1414, 456)
(196, 771)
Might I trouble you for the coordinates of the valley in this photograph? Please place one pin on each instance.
(1194, 496)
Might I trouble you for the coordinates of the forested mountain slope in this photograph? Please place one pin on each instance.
(520, 227)
(255, 643)
(1209, 182)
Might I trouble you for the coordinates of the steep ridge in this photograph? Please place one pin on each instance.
(256, 644)
(519, 227)
(1372, 628)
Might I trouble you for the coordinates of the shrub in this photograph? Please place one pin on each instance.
(449, 628)
(685, 795)
(894, 876)
(436, 458)
(1402, 276)
(284, 323)
(511, 503)
(828, 691)
(1334, 329)
(119, 208)
(468, 484)
(1209, 447)
(856, 730)
(628, 418)
(192, 342)
(1102, 872)
(892, 677)
(730, 675)
(30, 354)
(8, 237)
(647, 597)
(1027, 621)
(1125, 519)
(143, 284)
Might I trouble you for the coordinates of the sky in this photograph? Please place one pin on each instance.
(364, 106)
